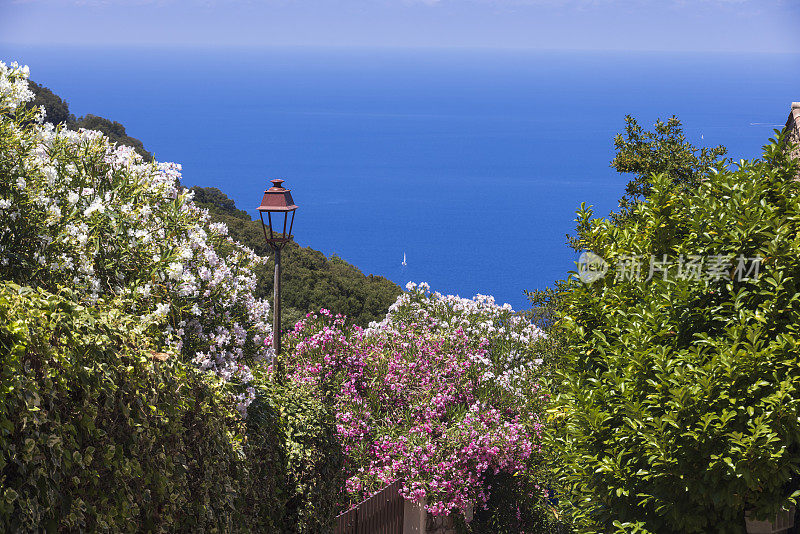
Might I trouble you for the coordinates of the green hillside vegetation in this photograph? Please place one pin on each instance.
(56, 108)
(57, 112)
(310, 279)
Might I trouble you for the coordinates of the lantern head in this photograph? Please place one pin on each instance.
(277, 204)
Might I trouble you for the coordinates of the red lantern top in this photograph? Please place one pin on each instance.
(277, 198)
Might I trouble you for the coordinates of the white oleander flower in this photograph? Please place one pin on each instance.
(95, 206)
(175, 271)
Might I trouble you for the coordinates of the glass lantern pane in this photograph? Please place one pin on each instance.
(279, 222)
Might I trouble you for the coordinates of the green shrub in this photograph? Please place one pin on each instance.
(313, 477)
(679, 398)
(511, 510)
(100, 434)
(78, 211)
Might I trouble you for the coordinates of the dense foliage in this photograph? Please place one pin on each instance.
(310, 280)
(103, 433)
(678, 406)
(443, 394)
(311, 471)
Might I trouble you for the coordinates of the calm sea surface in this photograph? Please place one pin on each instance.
(472, 163)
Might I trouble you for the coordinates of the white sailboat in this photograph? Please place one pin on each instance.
(404, 260)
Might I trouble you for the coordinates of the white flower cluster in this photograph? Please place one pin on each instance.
(508, 337)
(79, 212)
(14, 84)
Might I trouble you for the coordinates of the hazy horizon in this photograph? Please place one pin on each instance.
(642, 25)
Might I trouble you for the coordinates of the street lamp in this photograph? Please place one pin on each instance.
(278, 204)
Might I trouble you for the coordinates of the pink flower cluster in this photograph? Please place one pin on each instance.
(412, 400)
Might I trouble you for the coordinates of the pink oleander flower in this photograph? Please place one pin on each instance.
(430, 395)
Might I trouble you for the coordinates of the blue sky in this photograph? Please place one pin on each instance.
(676, 25)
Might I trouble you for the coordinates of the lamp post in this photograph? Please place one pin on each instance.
(277, 203)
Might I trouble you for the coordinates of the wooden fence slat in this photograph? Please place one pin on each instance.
(382, 513)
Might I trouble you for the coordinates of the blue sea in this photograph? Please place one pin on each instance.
(470, 162)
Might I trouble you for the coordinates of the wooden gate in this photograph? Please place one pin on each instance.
(380, 514)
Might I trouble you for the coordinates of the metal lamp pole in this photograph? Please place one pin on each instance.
(276, 316)
(277, 202)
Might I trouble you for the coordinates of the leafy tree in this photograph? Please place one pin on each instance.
(56, 109)
(678, 397)
(645, 153)
(57, 112)
(664, 150)
(113, 130)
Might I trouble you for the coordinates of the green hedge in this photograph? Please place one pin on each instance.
(314, 473)
(100, 433)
